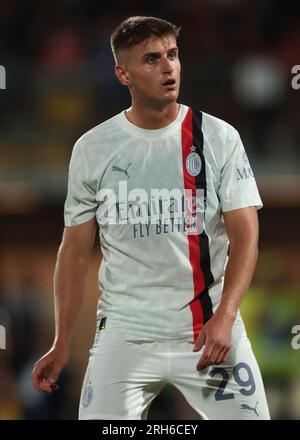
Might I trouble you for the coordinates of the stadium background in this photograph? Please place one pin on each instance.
(237, 57)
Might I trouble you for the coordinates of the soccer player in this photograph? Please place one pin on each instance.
(172, 194)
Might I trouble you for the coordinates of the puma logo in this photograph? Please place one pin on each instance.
(116, 168)
(247, 407)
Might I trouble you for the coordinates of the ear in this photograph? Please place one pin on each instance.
(122, 75)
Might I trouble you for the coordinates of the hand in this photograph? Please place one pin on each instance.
(48, 368)
(216, 337)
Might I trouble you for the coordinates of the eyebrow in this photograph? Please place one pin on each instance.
(158, 54)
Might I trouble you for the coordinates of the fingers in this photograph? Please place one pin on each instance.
(214, 354)
(53, 376)
(38, 373)
(203, 362)
(45, 375)
(54, 387)
(46, 386)
(200, 341)
(223, 356)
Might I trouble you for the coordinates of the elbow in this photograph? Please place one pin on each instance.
(73, 253)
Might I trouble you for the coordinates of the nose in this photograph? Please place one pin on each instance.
(166, 65)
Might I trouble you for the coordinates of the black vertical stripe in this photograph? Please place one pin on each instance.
(204, 262)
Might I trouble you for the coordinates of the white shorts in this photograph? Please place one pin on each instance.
(123, 377)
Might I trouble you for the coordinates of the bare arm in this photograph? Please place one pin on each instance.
(242, 229)
(70, 278)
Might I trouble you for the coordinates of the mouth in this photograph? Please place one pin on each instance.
(169, 84)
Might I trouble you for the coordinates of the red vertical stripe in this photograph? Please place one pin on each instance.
(193, 239)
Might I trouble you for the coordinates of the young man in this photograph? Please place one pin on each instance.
(169, 187)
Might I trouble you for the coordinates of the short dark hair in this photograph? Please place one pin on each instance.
(134, 30)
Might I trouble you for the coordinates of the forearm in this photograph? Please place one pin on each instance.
(69, 287)
(238, 275)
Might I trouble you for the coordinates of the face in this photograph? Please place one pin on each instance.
(151, 70)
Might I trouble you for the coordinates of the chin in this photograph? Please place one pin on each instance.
(169, 99)
(171, 96)
(164, 100)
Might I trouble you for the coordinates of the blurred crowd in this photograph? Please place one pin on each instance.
(27, 318)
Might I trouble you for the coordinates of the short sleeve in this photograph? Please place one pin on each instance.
(80, 205)
(238, 187)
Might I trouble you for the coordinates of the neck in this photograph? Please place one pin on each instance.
(152, 118)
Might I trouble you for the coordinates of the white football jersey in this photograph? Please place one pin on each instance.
(158, 197)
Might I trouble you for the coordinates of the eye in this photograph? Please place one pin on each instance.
(151, 59)
(173, 55)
